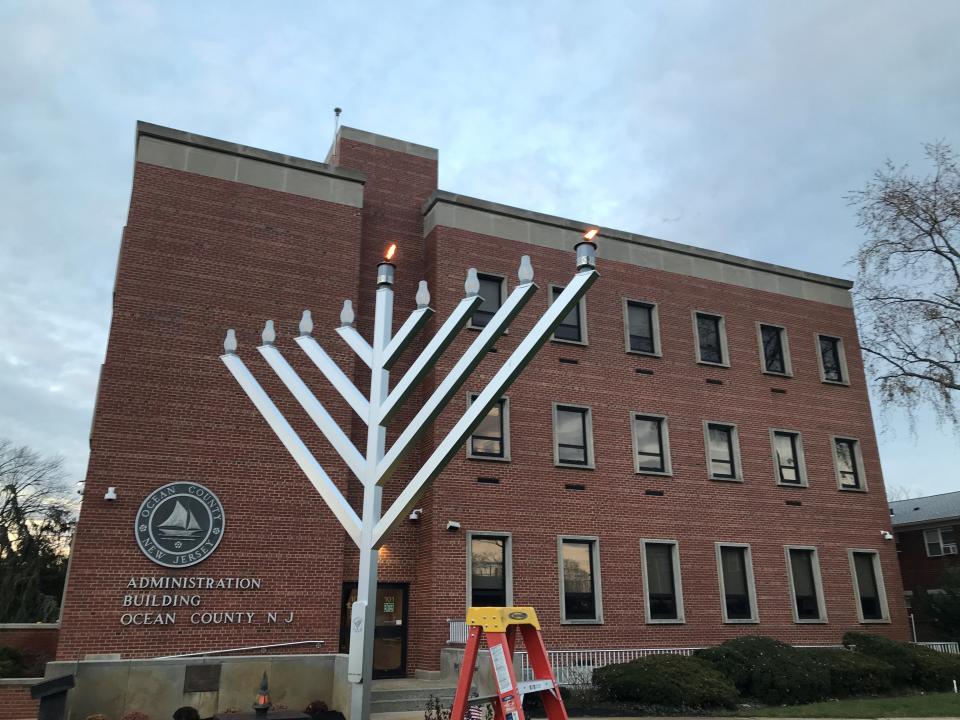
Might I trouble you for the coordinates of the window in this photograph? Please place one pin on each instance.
(833, 362)
(940, 541)
(868, 586)
(491, 439)
(489, 571)
(849, 463)
(661, 581)
(805, 585)
(788, 464)
(711, 338)
(580, 580)
(572, 327)
(723, 451)
(492, 290)
(739, 602)
(572, 436)
(651, 444)
(774, 350)
(642, 327)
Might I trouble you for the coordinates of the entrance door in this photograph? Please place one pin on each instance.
(390, 631)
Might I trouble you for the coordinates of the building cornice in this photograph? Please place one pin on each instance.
(388, 143)
(466, 213)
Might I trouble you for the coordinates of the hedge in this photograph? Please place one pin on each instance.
(913, 665)
(854, 673)
(669, 681)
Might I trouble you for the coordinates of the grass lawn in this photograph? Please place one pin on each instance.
(930, 705)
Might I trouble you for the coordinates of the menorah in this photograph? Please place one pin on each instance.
(370, 529)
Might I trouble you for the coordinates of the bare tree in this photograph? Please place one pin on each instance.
(899, 492)
(36, 522)
(908, 283)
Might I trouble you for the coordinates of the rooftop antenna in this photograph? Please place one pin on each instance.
(336, 131)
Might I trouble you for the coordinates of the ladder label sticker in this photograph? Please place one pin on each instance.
(500, 668)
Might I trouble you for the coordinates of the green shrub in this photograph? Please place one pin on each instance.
(853, 673)
(769, 670)
(913, 665)
(934, 670)
(668, 681)
(11, 662)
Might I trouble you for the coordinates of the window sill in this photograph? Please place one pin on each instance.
(581, 343)
(799, 486)
(777, 374)
(753, 621)
(641, 353)
(679, 621)
(852, 490)
(713, 364)
(591, 466)
(824, 621)
(882, 621)
(582, 622)
(726, 479)
(484, 458)
(839, 383)
(478, 328)
(654, 473)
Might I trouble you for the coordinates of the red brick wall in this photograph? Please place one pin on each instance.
(16, 703)
(38, 641)
(918, 570)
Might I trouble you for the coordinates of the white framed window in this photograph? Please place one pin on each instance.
(848, 463)
(489, 569)
(738, 594)
(581, 596)
(723, 451)
(572, 436)
(806, 585)
(491, 439)
(789, 466)
(940, 541)
(710, 338)
(573, 327)
(774, 350)
(641, 327)
(651, 444)
(832, 360)
(493, 292)
(868, 587)
(662, 586)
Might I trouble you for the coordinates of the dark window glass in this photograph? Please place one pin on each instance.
(488, 439)
(830, 356)
(788, 461)
(572, 436)
(640, 327)
(661, 587)
(773, 357)
(488, 571)
(867, 587)
(649, 434)
(569, 327)
(708, 336)
(804, 585)
(847, 463)
(722, 462)
(490, 290)
(579, 598)
(736, 586)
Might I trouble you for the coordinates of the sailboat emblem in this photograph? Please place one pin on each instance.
(180, 524)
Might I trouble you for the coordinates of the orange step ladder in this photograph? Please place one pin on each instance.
(500, 625)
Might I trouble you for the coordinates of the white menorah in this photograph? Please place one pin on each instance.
(372, 469)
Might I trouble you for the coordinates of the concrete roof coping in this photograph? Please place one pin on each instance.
(634, 238)
(229, 148)
(388, 143)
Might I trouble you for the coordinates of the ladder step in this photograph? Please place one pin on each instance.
(530, 686)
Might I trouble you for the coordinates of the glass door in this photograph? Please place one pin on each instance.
(390, 629)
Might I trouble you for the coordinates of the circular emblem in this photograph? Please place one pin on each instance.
(518, 616)
(179, 524)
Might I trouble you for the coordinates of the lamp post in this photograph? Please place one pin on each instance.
(377, 464)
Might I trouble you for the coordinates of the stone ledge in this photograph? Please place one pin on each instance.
(388, 143)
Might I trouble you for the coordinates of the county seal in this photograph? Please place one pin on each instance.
(180, 524)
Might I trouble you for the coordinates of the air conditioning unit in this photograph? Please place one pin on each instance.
(949, 549)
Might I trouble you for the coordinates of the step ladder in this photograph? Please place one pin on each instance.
(499, 625)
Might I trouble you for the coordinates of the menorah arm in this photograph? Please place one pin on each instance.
(313, 407)
(356, 342)
(478, 410)
(291, 441)
(424, 362)
(455, 378)
(335, 375)
(405, 335)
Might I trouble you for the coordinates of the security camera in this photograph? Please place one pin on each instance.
(111, 494)
(453, 525)
(886, 535)
(415, 515)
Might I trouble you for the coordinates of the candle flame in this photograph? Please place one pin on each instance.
(390, 252)
(591, 233)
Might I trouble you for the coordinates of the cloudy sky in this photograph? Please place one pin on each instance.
(737, 126)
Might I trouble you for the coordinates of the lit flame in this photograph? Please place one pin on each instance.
(591, 233)
(391, 251)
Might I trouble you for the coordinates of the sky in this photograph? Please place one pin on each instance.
(737, 126)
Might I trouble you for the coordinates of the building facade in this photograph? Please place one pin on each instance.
(691, 458)
(926, 531)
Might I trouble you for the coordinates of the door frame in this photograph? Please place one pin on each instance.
(404, 635)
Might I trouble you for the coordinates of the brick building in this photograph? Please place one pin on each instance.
(690, 459)
(926, 531)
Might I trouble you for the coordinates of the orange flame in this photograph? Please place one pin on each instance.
(591, 233)
(390, 252)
